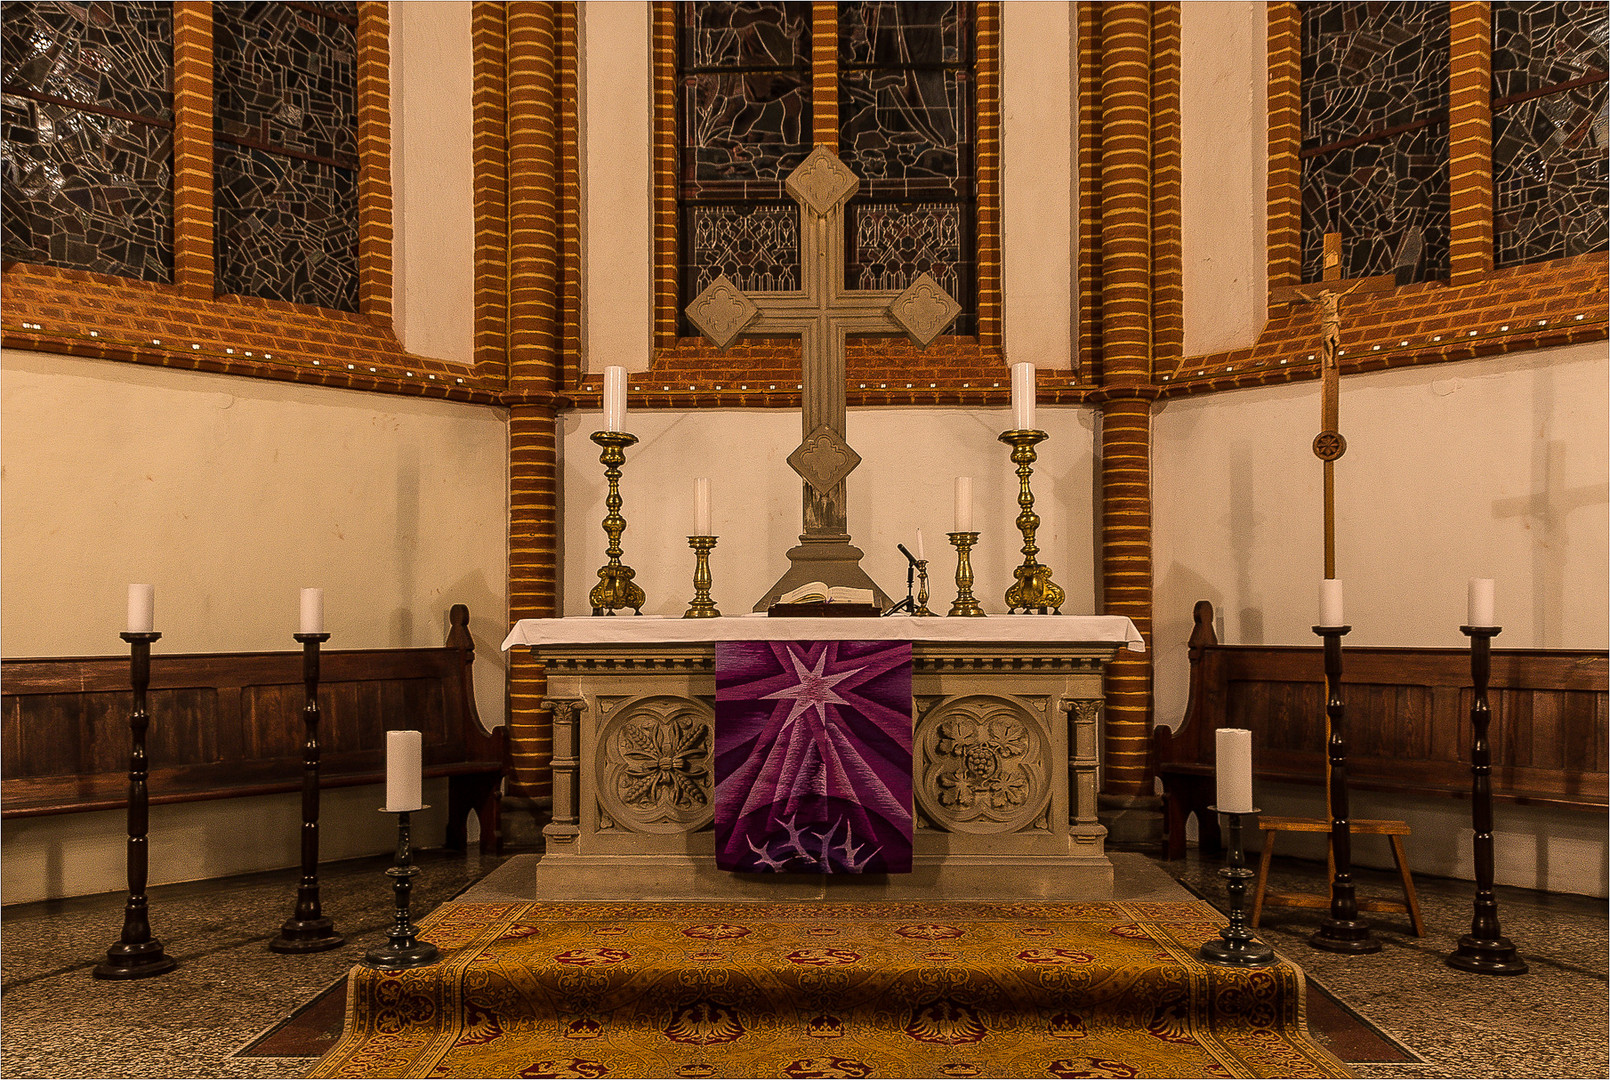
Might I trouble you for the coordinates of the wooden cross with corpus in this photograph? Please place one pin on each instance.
(822, 314)
(1327, 293)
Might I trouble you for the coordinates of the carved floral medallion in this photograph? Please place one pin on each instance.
(654, 767)
(985, 765)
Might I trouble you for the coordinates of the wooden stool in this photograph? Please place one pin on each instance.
(1394, 831)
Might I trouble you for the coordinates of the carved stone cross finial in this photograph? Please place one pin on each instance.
(822, 314)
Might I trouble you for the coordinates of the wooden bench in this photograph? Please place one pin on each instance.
(230, 724)
(1408, 723)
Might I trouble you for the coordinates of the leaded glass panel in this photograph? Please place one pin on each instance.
(900, 130)
(748, 34)
(1370, 67)
(286, 228)
(286, 78)
(1539, 44)
(1373, 193)
(1549, 177)
(893, 243)
(88, 145)
(744, 128)
(756, 246)
(883, 33)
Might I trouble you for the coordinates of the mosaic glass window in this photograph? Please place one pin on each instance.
(285, 153)
(1375, 134)
(1550, 130)
(906, 115)
(88, 136)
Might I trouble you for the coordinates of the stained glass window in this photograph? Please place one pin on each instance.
(285, 153)
(1550, 130)
(1374, 150)
(88, 136)
(906, 127)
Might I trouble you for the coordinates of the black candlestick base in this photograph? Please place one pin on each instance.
(1486, 957)
(400, 956)
(403, 949)
(1237, 946)
(1345, 936)
(137, 961)
(307, 935)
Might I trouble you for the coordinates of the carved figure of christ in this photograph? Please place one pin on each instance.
(823, 314)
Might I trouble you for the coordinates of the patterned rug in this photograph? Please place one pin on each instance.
(826, 990)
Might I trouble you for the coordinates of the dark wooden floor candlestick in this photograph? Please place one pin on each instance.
(402, 949)
(137, 954)
(1485, 950)
(1344, 931)
(1237, 946)
(309, 929)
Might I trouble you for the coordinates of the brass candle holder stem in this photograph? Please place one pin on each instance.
(966, 603)
(309, 929)
(702, 607)
(1033, 590)
(615, 590)
(922, 589)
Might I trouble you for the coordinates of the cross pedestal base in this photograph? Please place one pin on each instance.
(833, 561)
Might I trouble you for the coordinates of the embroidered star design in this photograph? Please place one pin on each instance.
(813, 691)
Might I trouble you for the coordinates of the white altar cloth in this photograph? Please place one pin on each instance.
(650, 629)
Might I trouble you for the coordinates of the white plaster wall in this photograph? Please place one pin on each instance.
(616, 186)
(905, 482)
(1488, 468)
(229, 495)
(1038, 151)
(1224, 155)
(433, 179)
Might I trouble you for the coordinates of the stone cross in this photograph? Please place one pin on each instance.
(822, 314)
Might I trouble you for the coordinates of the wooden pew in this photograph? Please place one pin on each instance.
(1408, 723)
(230, 724)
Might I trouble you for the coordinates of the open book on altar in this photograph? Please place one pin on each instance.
(817, 592)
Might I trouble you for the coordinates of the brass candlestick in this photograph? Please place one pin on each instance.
(1034, 589)
(702, 606)
(922, 589)
(966, 603)
(615, 589)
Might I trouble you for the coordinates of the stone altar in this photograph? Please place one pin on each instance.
(1006, 755)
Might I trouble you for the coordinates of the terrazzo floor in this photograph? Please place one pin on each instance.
(229, 990)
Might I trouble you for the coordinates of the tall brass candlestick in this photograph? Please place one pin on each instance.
(966, 603)
(702, 606)
(137, 953)
(309, 929)
(615, 589)
(1034, 589)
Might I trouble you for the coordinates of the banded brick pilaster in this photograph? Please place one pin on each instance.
(193, 271)
(825, 75)
(1285, 140)
(987, 172)
(374, 160)
(1470, 141)
(490, 154)
(1089, 359)
(663, 150)
(533, 74)
(1168, 272)
(1128, 110)
(570, 195)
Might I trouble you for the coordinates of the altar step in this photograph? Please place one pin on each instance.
(826, 989)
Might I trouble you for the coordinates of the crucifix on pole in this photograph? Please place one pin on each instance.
(822, 315)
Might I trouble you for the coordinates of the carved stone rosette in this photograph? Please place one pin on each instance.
(983, 765)
(655, 770)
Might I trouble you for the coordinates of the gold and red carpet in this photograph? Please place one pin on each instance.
(822, 989)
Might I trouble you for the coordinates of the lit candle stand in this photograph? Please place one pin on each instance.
(615, 590)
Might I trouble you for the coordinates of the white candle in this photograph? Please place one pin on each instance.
(921, 555)
(1023, 397)
(701, 507)
(312, 611)
(1481, 602)
(1234, 769)
(142, 608)
(964, 504)
(404, 778)
(1330, 602)
(614, 397)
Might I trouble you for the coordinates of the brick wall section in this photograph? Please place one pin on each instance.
(825, 75)
(193, 271)
(1127, 108)
(1285, 140)
(533, 589)
(1168, 280)
(1470, 141)
(987, 169)
(664, 88)
(570, 193)
(374, 160)
(490, 150)
(1088, 361)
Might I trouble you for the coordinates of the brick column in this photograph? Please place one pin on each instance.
(193, 270)
(1470, 141)
(374, 161)
(1285, 139)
